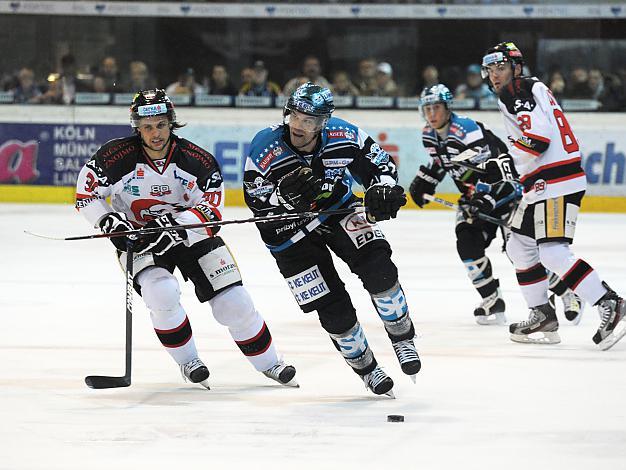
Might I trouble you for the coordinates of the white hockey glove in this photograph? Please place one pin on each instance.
(159, 243)
(116, 222)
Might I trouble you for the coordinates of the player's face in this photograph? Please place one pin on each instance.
(304, 130)
(500, 75)
(155, 133)
(436, 115)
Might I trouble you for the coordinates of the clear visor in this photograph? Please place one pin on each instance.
(491, 60)
(305, 122)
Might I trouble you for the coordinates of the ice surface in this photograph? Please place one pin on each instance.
(480, 402)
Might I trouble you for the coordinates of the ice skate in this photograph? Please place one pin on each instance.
(282, 373)
(196, 372)
(573, 306)
(540, 328)
(407, 357)
(491, 310)
(379, 382)
(612, 307)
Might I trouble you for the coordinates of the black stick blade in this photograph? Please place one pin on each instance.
(104, 381)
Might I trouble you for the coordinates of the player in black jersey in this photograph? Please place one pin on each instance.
(310, 161)
(156, 179)
(451, 140)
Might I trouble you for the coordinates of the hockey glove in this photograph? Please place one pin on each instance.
(116, 222)
(160, 242)
(383, 202)
(480, 203)
(500, 168)
(298, 189)
(424, 183)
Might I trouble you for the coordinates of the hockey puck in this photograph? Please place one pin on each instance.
(395, 418)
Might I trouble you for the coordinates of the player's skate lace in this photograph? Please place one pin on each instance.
(407, 356)
(378, 382)
(532, 319)
(195, 371)
(281, 373)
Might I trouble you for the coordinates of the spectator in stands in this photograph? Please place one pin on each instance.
(385, 85)
(366, 79)
(54, 93)
(140, 78)
(312, 70)
(69, 81)
(342, 86)
(607, 89)
(99, 85)
(26, 90)
(185, 85)
(556, 83)
(219, 83)
(261, 85)
(247, 75)
(474, 87)
(578, 87)
(109, 75)
(430, 77)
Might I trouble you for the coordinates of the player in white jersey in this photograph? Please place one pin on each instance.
(545, 153)
(156, 179)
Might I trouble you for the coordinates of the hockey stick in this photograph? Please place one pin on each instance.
(451, 205)
(469, 166)
(105, 381)
(218, 223)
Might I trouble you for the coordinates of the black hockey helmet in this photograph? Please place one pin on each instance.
(311, 99)
(148, 103)
(503, 52)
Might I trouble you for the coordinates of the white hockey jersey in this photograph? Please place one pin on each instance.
(543, 146)
(187, 183)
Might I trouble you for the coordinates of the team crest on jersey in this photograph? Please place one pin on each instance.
(377, 155)
(146, 210)
(260, 188)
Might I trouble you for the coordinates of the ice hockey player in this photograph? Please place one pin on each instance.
(158, 179)
(546, 154)
(303, 165)
(448, 136)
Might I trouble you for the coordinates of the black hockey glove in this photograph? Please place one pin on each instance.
(424, 183)
(298, 189)
(160, 242)
(383, 202)
(116, 222)
(480, 203)
(500, 168)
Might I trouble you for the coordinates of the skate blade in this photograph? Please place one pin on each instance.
(617, 334)
(390, 394)
(292, 383)
(494, 319)
(547, 337)
(413, 378)
(205, 384)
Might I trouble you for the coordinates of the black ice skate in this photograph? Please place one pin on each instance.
(379, 382)
(491, 310)
(612, 308)
(573, 306)
(195, 371)
(540, 328)
(407, 357)
(282, 373)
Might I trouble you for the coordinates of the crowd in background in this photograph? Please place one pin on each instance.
(372, 77)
